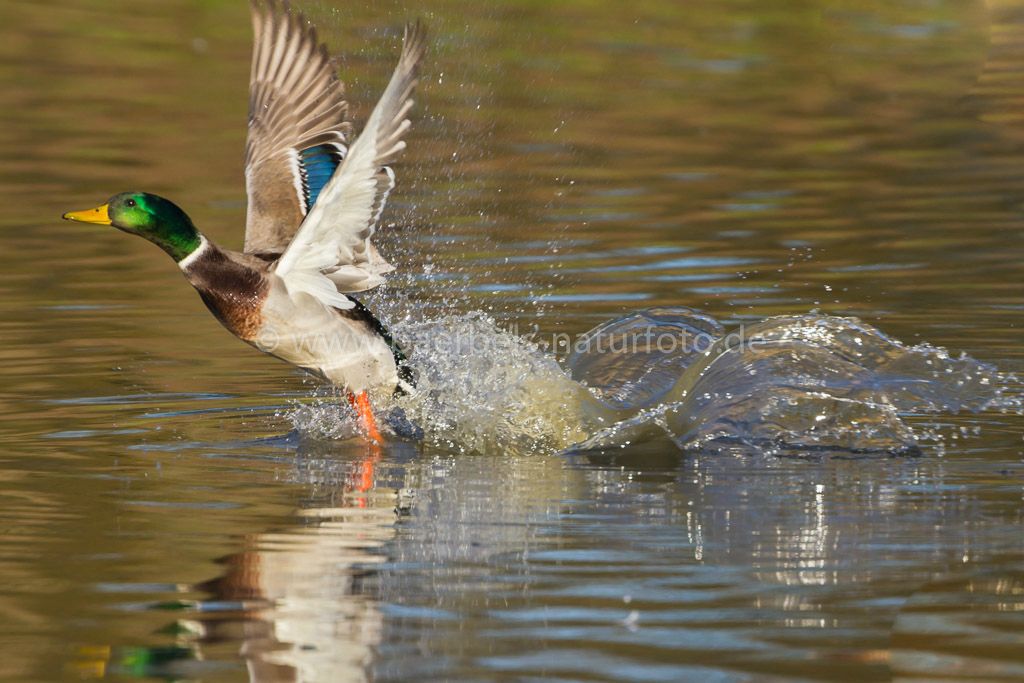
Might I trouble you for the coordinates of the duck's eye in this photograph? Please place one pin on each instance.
(130, 202)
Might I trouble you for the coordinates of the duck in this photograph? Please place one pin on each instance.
(314, 201)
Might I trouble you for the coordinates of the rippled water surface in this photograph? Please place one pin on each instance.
(178, 507)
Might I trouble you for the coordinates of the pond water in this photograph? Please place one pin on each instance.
(178, 507)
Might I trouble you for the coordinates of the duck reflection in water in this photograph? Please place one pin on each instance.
(291, 600)
(303, 614)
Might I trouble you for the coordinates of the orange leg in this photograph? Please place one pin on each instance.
(361, 404)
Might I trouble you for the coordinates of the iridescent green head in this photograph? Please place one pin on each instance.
(157, 219)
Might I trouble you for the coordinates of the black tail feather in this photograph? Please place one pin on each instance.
(405, 373)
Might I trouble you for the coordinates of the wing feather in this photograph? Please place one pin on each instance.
(331, 252)
(295, 102)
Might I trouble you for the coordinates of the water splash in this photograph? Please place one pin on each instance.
(481, 389)
(797, 384)
(812, 383)
(327, 417)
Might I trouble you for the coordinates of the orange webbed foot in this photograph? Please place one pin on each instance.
(361, 404)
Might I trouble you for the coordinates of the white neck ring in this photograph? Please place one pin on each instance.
(186, 262)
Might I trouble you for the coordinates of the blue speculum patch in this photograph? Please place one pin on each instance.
(318, 163)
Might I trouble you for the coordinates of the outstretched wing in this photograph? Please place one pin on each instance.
(297, 125)
(331, 252)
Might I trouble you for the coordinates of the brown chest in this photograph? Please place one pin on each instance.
(239, 313)
(234, 292)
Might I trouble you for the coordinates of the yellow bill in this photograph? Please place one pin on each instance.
(98, 215)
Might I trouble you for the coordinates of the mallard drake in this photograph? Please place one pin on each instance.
(314, 202)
